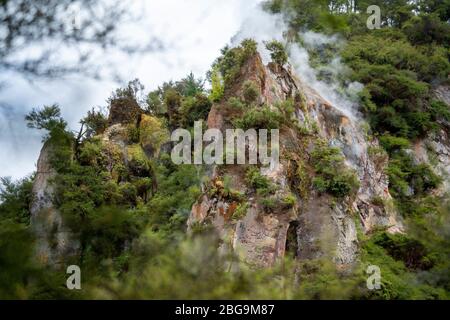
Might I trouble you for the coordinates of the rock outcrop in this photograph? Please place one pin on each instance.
(55, 243)
(322, 224)
(122, 151)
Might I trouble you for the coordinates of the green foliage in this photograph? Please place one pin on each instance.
(193, 269)
(105, 233)
(391, 143)
(440, 111)
(95, 122)
(427, 29)
(289, 200)
(287, 109)
(332, 174)
(81, 189)
(20, 276)
(217, 87)
(269, 204)
(182, 102)
(178, 188)
(15, 199)
(190, 86)
(194, 108)
(130, 92)
(410, 251)
(139, 165)
(408, 179)
(236, 104)
(277, 52)
(153, 133)
(143, 187)
(129, 193)
(186, 87)
(395, 78)
(15, 252)
(132, 133)
(91, 153)
(396, 279)
(231, 61)
(48, 118)
(259, 118)
(250, 91)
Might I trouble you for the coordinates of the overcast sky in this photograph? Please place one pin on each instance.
(194, 31)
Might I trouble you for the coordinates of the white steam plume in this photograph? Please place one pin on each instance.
(262, 26)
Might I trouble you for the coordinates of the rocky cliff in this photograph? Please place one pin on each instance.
(320, 223)
(55, 243)
(295, 216)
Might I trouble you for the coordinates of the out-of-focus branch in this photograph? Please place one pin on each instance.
(36, 36)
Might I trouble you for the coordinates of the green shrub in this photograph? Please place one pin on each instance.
(440, 111)
(396, 79)
(391, 143)
(231, 61)
(236, 104)
(241, 211)
(143, 187)
(277, 52)
(255, 179)
(426, 29)
(217, 86)
(15, 199)
(289, 200)
(259, 118)
(194, 109)
(129, 193)
(408, 179)
(95, 122)
(396, 279)
(269, 204)
(332, 174)
(91, 153)
(228, 192)
(378, 201)
(400, 247)
(250, 91)
(132, 133)
(287, 109)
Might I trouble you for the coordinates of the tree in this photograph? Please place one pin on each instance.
(439, 7)
(190, 86)
(95, 122)
(277, 52)
(15, 199)
(49, 118)
(131, 91)
(427, 29)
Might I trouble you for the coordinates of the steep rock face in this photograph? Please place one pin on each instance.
(435, 148)
(55, 243)
(323, 226)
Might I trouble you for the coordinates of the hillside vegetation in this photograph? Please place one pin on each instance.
(128, 204)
